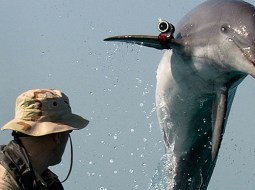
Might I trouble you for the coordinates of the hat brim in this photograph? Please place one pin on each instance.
(46, 126)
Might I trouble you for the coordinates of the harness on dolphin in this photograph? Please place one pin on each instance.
(166, 33)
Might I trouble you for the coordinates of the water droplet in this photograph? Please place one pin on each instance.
(150, 126)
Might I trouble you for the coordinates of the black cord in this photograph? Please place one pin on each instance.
(71, 162)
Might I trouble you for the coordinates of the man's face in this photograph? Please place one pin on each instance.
(59, 149)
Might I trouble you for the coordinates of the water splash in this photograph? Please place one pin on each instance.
(164, 177)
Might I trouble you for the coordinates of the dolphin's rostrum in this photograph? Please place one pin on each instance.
(212, 51)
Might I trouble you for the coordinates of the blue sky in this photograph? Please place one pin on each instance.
(59, 44)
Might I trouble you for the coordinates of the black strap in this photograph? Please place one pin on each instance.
(52, 180)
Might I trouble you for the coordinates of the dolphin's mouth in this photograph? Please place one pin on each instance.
(250, 57)
(247, 51)
(242, 41)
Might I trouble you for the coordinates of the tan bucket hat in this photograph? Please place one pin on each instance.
(44, 111)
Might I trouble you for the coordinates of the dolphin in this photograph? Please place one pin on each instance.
(206, 57)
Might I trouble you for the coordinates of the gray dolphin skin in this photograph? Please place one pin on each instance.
(208, 55)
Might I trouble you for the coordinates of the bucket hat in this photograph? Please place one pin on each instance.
(44, 111)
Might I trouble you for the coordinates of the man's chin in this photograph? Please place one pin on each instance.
(56, 162)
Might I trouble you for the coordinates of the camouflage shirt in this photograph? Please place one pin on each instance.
(16, 172)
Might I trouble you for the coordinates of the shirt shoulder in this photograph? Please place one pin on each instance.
(6, 180)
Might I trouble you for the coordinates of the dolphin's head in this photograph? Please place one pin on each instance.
(222, 31)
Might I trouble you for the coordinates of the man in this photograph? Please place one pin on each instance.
(42, 123)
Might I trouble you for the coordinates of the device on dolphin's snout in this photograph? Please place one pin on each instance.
(166, 33)
(165, 40)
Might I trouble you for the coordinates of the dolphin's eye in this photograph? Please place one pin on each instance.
(225, 28)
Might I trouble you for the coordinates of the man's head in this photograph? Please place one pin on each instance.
(44, 111)
(43, 121)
